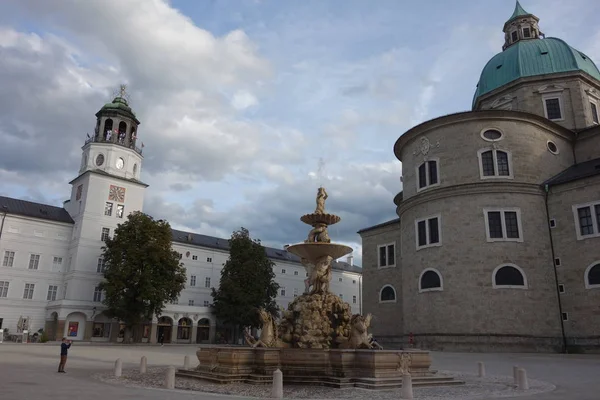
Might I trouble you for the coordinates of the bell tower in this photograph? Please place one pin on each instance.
(520, 26)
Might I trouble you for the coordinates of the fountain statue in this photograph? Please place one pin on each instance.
(317, 341)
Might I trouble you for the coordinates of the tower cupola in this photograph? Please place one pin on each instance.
(116, 122)
(520, 26)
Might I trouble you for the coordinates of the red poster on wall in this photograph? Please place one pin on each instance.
(73, 328)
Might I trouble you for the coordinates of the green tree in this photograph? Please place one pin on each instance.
(247, 283)
(142, 273)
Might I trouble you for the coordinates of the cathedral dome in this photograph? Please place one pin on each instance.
(532, 58)
(118, 103)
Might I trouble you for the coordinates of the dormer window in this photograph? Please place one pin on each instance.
(514, 36)
(527, 32)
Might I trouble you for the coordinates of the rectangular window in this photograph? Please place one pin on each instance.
(104, 235)
(514, 36)
(101, 266)
(503, 225)
(553, 111)
(9, 259)
(295, 273)
(565, 316)
(206, 303)
(52, 290)
(283, 271)
(594, 108)
(526, 32)
(428, 232)
(587, 219)
(494, 163)
(354, 281)
(194, 257)
(353, 299)
(193, 280)
(428, 174)
(208, 259)
(190, 302)
(4, 288)
(561, 288)
(282, 292)
(295, 292)
(557, 261)
(120, 210)
(57, 263)
(34, 261)
(97, 294)
(108, 208)
(28, 292)
(387, 256)
(207, 282)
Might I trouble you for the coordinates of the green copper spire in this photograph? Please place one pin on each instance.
(519, 11)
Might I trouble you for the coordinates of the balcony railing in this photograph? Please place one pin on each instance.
(115, 140)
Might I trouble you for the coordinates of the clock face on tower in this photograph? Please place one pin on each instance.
(116, 193)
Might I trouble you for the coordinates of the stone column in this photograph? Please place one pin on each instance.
(153, 333)
(194, 333)
(212, 332)
(174, 333)
(89, 326)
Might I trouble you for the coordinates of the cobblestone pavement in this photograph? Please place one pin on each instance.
(28, 372)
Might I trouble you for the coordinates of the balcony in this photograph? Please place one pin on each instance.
(124, 142)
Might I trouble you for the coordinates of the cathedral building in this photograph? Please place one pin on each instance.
(51, 257)
(497, 244)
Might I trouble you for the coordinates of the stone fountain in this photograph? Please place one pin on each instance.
(317, 340)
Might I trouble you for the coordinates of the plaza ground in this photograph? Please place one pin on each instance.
(28, 372)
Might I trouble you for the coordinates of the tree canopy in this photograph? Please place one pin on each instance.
(247, 282)
(142, 272)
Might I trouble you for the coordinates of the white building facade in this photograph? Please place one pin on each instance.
(51, 257)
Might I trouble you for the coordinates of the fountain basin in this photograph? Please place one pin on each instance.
(313, 251)
(316, 218)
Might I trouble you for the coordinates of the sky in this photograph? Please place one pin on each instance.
(240, 99)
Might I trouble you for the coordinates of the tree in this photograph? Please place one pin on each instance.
(142, 273)
(247, 283)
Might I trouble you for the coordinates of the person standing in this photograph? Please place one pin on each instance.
(161, 338)
(64, 350)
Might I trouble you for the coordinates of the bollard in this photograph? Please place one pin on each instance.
(277, 392)
(516, 374)
(522, 383)
(118, 367)
(143, 365)
(481, 369)
(170, 378)
(407, 389)
(186, 362)
(1, 335)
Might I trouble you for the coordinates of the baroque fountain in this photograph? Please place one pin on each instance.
(317, 341)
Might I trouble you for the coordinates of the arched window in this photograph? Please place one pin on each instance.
(428, 174)
(430, 281)
(592, 276)
(509, 276)
(387, 294)
(184, 329)
(107, 131)
(495, 163)
(122, 132)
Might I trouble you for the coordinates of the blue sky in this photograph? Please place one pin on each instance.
(240, 98)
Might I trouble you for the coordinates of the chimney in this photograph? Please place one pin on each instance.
(350, 260)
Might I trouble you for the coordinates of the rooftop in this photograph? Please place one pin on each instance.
(383, 224)
(578, 171)
(34, 210)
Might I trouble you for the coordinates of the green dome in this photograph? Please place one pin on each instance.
(532, 58)
(118, 103)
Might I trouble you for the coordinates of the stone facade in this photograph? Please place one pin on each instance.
(490, 249)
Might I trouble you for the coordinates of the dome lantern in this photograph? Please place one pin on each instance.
(520, 26)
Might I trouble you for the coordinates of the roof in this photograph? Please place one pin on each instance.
(519, 12)
(34, 210)
(576, 172)
(120, 106)
(370, 228)
(102, 172)
(195, 239)
(533, 57)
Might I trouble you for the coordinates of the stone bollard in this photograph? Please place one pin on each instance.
(143, 365)
(277, 392)
(1, 335)
(186, 362)
(407, 389)
(118, 367)
(481, 369)
(170, 378)
(516, 374)
(522, 383)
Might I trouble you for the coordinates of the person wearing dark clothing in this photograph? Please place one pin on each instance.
(64, 350)
(161, 339)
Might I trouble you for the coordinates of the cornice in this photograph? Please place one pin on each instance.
(467, 190)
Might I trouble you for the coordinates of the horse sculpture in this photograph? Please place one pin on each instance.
(268, 335)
